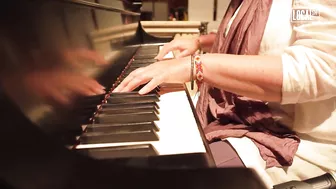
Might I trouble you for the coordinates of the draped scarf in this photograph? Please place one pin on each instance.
(223, 114)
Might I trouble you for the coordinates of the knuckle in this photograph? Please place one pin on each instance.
(138, 78)
(138, 71)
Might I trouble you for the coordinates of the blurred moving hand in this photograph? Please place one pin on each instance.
(61, 86)
(49, 79)
(187, 47)
(76, 56)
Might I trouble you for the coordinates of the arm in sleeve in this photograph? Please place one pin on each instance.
(309, 64)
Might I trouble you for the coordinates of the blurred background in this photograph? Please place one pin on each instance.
(210, 11)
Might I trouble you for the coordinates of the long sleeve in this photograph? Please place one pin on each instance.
(309, 64)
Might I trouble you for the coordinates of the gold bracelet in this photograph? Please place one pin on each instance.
(192, 72)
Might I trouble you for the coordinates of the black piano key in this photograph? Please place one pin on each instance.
(148, 47)
(157, 89)
(68, 139)
(137, 66)
(126, 127)
(84, 112)
(145, 56)
(132, 98)
(127, 118)
(130, 105)
(89, 99)
(143, 150)
(85, 119)
(148, 108)
(132, 93)
(83, 109)
(148, 51)
(134, 136)
(86, 105)
(144, 61)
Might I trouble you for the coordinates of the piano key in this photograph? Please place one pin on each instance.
(136, 66)
(119, 100)
(130, 105)
(85, 109)
(132, 98)
(157, 89)
(148, 108)
(87, 104)
(143, 150)
(127, 118)
(83, 119)
(144, 61)
(132, 93)
(132, 136)
(114, 128)
(88, 99)
(145, 56)
(147, 51)
(152, 48)
(147, 47)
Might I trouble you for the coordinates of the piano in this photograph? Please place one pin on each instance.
(110, 140)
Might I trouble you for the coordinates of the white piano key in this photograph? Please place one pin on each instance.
(170, 55)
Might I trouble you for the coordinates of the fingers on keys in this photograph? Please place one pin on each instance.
(151, 85)
(91, 87)
(136, 79)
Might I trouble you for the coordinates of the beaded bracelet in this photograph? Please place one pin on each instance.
(192, 72)
(199, 70)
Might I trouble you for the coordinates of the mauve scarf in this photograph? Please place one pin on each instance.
(223, 114)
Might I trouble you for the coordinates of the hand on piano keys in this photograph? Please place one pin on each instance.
(169, 71)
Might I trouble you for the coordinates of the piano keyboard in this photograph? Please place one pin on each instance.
(129, 125)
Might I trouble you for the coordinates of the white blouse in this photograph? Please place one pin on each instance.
(308, 51)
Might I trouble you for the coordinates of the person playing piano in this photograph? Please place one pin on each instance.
(264, 68)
